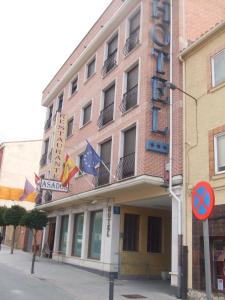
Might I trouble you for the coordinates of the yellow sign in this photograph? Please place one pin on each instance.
(58, 146)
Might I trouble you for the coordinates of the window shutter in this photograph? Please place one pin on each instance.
(109, 96)
(132, 78)
(129, 141)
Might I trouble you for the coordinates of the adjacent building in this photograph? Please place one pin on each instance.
(113, 92)
(204, 150)
(18, 160)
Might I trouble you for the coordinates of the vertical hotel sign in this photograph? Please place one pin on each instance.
(160, 37)
(58, 146)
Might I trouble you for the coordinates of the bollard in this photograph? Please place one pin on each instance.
(111, 285)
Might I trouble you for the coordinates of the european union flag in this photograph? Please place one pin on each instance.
(90, 160)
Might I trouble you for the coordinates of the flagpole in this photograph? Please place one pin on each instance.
(82, 174)
(105, 166)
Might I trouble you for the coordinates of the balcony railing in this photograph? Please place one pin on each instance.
(126, 166)
(129, 99)
(48, 124)
(109, 63)
(106, 115)
(131, 42)
(43, 160)
(103, 175)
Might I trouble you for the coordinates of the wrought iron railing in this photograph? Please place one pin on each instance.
(109, 63)
(103, 176)
(129, 99)
(131, 42)
(126, 166)
(43, 160)
(106, 115)
(48, 124)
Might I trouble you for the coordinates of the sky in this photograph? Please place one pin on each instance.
(36, 39)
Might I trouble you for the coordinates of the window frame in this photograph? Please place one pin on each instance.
(137, 238)
(68, 122)
(75, 233)
(91, 234)
(71, 85)
(82, 116)
(217, 172)
(93, 59)
(214, 84)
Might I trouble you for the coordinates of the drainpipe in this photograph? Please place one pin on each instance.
(171, 159)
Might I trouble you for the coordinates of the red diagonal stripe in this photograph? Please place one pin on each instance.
(201, 200)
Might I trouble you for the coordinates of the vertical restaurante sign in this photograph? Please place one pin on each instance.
(160, 37)
(58, 146)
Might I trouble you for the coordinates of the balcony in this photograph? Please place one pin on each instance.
(103, 175)
(109, 63)
(129, 99)
(126, 166)
(43, 160)
(131, 42)
(106, 115)
(48, 124)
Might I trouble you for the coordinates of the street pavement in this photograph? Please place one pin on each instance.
(55, 280)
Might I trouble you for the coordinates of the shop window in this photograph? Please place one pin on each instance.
(218, 67)
(131, 232)
(95, 235)
(63, 234)
(218, 268)
(78, 234)
(219, 153)
(154, 243)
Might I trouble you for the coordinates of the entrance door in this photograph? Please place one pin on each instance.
(51, 237)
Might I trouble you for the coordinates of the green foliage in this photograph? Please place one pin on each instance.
(35, 219)
(14, 214)
(3, 210)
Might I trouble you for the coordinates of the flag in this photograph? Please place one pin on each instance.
(28, 189)
(90, 160)
(69, 170)
(37, 179)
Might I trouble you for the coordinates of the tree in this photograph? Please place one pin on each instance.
(13, 216)
(35, 220)
(3, 210)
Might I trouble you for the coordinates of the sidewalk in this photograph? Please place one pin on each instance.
(84, 285)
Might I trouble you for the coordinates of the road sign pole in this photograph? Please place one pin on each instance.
(207, 260)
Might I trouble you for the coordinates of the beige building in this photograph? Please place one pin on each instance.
(204, 151)
(18, 161)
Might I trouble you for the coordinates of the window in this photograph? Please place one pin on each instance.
(110, 62)
(49, 120)
(44, 155)
(95, 235)
(219, 153)
(134, 29)
(80, 163)
(154, 235)
(63, 234)
(86, 114)
(60, 103)
(70, 128)
(218, 67)
(78, 234)
(131, 232)
(126, 166)
(103, 175)
(130, 97)
(91, 68)
(106, 114)
(74, 85)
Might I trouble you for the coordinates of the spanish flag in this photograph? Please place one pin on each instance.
(69, 170)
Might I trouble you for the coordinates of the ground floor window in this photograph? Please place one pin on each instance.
(218, 263)
(131, 232)
(154, 243)
(78, 234)
(95, 234)
(63, 234)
